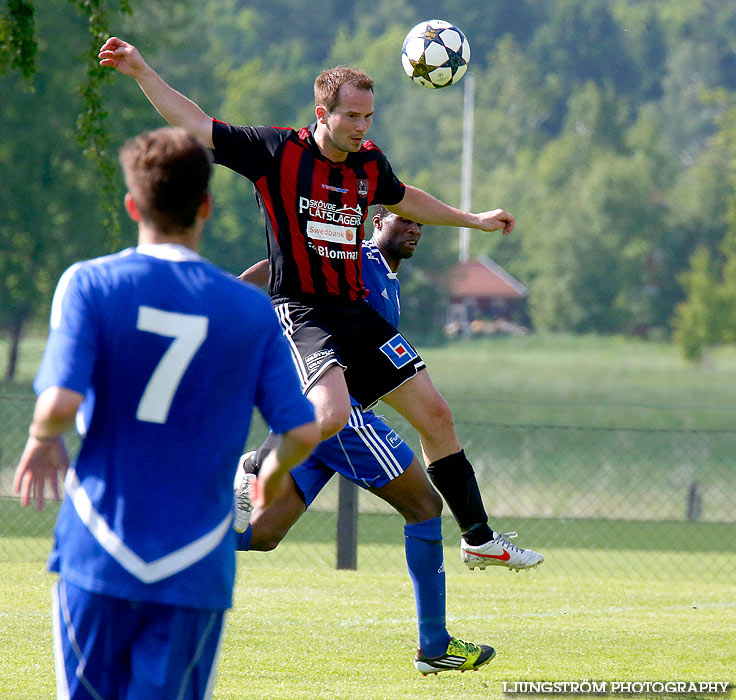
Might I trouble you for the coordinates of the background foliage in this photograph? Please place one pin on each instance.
(607, 127)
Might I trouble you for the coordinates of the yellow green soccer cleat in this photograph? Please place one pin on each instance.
(460, 656)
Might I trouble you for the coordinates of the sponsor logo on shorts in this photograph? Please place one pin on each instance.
(317, 359)
(393, 439)
(398, 351)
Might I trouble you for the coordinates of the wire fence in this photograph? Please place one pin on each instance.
(619, 500)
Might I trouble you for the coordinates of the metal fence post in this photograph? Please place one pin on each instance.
(347, 525)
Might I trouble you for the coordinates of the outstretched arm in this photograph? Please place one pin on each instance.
(174, 107)
(419, 206)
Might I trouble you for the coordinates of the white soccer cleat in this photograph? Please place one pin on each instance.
(243, 495)
(499, 552)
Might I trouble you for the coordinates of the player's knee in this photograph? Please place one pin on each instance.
(435, 506)
(438, 413)
(432, 505)
(428, 506)
(333, 419)
(265, 541)
(265, 536)
(268, 544)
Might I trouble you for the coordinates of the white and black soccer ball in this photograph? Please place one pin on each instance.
(435, 54)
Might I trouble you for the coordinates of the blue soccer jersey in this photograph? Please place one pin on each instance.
(172, 355)
(382, 284)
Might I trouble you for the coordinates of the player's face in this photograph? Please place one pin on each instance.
(399, 236)
(347, 124)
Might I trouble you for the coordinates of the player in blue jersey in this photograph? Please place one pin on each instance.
(162, 357)
(373, 456)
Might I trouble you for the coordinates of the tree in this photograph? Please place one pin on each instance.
(698, 320)
(43, 188)
(708, 315)
(18, 47)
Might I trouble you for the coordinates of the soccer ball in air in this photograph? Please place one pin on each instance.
(435, 54)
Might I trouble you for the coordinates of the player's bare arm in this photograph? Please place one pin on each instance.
(293, 448)
(256, 274)
(45, 458)
(420, 206)
(174, 107)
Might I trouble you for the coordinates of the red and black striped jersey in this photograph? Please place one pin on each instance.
(314, 209)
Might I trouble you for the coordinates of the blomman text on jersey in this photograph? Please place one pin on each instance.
(326, 252)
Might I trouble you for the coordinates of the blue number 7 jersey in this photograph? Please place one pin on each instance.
(172, 355)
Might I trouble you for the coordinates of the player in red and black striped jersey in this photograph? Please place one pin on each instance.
(314, 187)
(315, 225)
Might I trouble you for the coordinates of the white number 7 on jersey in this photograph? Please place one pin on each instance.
(189, 332)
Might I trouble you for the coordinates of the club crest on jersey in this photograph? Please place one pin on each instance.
(362, 188)
(398, 351)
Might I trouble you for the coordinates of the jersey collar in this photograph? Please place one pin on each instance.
(306, 134)
(174, 252)
(389, 272)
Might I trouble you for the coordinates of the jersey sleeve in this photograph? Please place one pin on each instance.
(246, 149)
(279, 394)
(71, 348)
(389, 190)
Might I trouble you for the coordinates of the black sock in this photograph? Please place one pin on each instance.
(454, 478)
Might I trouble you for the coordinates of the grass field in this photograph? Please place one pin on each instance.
(650, 596)
(323, 634)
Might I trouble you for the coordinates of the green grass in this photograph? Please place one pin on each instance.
(645, 596)
(315, 633)
(590, 380)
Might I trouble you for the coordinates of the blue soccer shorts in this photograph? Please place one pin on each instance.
(117, 649)
(366, 451)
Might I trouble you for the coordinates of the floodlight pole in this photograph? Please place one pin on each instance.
(466, 164)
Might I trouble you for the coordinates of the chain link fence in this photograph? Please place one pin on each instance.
(614, 501)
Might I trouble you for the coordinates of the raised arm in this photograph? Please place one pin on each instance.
(174, 107)
(420, 206)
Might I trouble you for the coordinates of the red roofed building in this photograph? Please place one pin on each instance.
(484, 298)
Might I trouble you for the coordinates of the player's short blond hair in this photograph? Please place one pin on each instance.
(328, 83)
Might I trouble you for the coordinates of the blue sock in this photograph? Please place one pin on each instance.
(242, 539)
(424, 557)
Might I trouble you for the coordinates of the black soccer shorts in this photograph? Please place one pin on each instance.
(352, 335)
